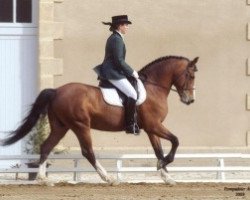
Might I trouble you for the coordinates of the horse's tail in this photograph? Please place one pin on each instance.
(38, 109)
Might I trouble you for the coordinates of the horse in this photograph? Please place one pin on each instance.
(81, 107)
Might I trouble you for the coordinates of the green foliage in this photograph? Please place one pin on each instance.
(37, 137)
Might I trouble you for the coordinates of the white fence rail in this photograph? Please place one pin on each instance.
(220, 168)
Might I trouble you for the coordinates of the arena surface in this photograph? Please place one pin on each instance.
(181, 191)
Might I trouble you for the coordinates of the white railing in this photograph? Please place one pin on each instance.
(220, 168)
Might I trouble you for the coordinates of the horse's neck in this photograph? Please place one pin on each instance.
(163, 78)
(159, 85)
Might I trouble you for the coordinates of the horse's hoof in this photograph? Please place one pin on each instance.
(50, 184)
(45, 182)
(170, 182)
(41, 178)
(113, 182)
(167, 178)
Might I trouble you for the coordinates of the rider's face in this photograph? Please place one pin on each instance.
(123, 28)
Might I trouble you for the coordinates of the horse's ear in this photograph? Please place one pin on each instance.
(194, 61)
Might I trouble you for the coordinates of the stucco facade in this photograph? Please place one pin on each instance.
(72, 41)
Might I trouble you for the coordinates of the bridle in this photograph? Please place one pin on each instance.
(187, 78)
(185, 87)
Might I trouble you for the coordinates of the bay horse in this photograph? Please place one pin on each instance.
(81, 107)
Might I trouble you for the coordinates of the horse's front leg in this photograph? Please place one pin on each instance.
(154, 135)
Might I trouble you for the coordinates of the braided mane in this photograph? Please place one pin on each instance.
(160, 60)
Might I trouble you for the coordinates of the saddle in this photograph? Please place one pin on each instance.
(113, 96)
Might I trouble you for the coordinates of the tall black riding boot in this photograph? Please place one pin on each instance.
(131, 117)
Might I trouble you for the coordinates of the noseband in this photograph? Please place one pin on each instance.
(144, 79)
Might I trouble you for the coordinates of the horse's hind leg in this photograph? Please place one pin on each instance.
(58, 131)
(84, 137)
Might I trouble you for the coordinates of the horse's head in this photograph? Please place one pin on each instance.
(184, 82)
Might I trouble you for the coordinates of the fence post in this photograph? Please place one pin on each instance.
(221, 174)
(119, 167)
(16, 176)
(75, 173)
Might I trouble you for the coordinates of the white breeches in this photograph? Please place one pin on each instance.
(125, 86)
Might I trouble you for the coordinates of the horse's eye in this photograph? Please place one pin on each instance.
(190, 76)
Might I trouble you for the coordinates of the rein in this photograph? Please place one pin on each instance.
(152, 83)
(185, 72)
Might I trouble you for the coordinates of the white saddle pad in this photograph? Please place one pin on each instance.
(111, 96)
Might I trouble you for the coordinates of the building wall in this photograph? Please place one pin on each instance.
(49, 31)
(216, 31)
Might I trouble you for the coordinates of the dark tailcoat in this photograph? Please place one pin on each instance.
(114, 65)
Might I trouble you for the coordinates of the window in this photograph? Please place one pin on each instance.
(15, 11)
(6, 11)
(23, 11)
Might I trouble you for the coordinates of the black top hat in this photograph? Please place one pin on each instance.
(119, 19)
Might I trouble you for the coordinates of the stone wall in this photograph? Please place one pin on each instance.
(49, 31)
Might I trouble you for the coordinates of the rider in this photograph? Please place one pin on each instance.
(117, 71)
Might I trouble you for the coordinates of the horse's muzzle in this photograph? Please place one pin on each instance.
(186, 100)
(190, 101)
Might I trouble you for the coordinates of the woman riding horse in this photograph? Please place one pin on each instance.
(81, 107)
(117, 71)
